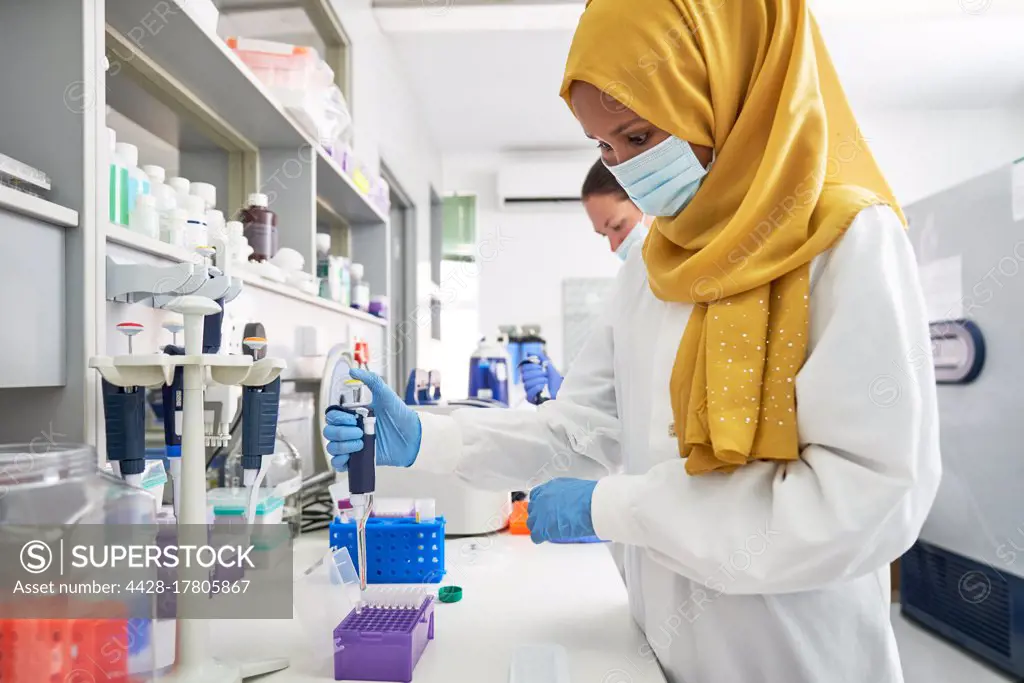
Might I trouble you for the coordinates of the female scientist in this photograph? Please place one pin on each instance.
(613, 215)
(611, 211)
(751, 376)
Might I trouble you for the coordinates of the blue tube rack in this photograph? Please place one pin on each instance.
(397, 550)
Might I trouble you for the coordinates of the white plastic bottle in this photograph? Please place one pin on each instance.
(181, 187)
(215, 226)
(157, 175)
(207, 191)
(166, 203)
(236, 239)
(166, 197)
(195, 234)
(360, 289)
(173, 232)
(138, 182)
(144, 219)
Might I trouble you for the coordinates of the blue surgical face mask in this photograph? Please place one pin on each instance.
(636, 236)
(662, 180)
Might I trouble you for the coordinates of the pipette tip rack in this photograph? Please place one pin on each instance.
(378, 643)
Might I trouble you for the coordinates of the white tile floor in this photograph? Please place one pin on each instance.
(930, 659)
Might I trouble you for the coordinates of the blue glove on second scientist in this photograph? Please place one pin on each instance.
(537, 377)
(559, 510)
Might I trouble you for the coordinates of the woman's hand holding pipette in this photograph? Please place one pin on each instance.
(398, 428)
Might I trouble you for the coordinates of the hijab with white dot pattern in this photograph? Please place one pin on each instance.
(753, 81)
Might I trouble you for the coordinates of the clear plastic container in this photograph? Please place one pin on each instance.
(283, 480)
(301, 82)
(61, 484)
(154, 478)
(23, 178)
(324, 595)
(542, 663)
(145, 218)
(282, 66)
(230, 505)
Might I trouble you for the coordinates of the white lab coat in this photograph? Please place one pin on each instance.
(775, 573)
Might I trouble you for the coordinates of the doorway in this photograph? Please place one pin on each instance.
(402, 328)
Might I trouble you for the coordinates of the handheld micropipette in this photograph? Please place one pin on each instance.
(361, 466)
(125, 420)
(544, 394)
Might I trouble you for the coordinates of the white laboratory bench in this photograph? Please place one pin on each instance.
(515, 593)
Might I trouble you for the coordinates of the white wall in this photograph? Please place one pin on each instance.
(387, 122)
(528, 254)
(926, 151)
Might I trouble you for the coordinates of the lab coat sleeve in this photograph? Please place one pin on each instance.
(869, 467)
(576, 435)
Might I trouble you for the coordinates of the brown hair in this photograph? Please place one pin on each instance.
(600, 181)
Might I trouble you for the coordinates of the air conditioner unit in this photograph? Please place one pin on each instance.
(545, 183)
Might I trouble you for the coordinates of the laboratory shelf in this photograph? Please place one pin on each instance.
(211, 73)
(339, 192)
(146, 245)
(285, 290)
(37, 207)
(207, 67)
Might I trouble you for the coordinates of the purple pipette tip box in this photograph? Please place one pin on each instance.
(382, 644)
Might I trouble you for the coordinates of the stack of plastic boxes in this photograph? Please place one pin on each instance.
(300, 81)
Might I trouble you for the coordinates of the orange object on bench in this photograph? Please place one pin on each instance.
(517, 520)
(61, 650)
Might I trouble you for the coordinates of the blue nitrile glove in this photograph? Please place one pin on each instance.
(560, 510)
(535, 378)
(398, 428)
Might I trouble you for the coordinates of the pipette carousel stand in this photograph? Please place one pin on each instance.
(194, 662)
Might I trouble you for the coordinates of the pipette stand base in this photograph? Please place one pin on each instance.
(266, 666)
(226, 672)
(209, 672)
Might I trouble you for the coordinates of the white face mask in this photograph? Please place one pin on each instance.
(636, 236)
(662, 180)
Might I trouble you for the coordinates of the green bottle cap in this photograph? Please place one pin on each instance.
(449, 594)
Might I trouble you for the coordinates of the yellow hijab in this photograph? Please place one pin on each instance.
(752, 79)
